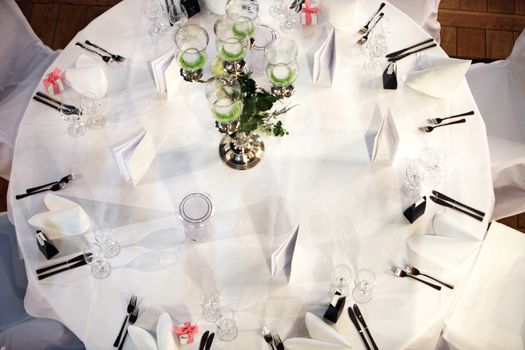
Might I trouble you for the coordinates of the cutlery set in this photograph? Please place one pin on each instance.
(364, 38)
(52, 186)
(273, 340)
(441, 199)
(359, 322)
(132, 313)
(412, 272)
(206, 340)
(67, 265)
(436, 122)
(106, 56)
(55, 104)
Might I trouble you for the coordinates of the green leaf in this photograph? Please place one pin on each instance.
(264, 104)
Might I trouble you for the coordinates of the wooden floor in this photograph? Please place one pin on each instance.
(483, 29)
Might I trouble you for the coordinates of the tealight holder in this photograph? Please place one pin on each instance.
(231, 49)
(192, 42)
(243, 17)
(281, 67)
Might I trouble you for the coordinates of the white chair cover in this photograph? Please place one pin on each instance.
(23, 61)
(499, 91)
(423, 12)
(18, 330)
(490, 310)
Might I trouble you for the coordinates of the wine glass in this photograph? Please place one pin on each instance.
(152, 9)
(340, 280)
(414, 175)
(91, 107)
(364, 285)
(434, 160)
(94, 256)
(375, 48)
(211, 306)
(177, 15)
(226, 327)
(106, 238)
(192, 42)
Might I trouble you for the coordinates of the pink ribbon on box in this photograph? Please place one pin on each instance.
(54, 79)
(308, 11)
(188, 329)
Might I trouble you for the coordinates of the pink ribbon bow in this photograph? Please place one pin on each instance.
(188, 329)
(308, 11)
(52, 80)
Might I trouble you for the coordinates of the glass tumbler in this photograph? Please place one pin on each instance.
(434, 160)
(91, 107)
(224, 97)
(211, 306)
(152, 9)
(196, 212)
(106, 238)
(192, 42)
(230, 47)
(414, 175)
(94, 256)
(340, 280)
(365, 280)
(177, 15)
(281, 66)
(226, 327)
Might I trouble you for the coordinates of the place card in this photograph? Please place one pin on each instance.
(283, 255)
(135, 156)
(165, 73)
(383, 141)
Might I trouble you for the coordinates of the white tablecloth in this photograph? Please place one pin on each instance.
(319, 176)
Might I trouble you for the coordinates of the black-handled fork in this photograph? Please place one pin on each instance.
(105, 58)
(115, 57)
(429, 128)
(54, 188)
(364, 29)
(66, 179)
(129, 310)
(132, 319)
(364, 38)
(399, 272)
(439, 120)
(411, 270)
(278, 342)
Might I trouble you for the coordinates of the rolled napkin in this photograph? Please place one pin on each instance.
(439, 253)
(437, 76)
(143, 340)
(64, 218)
(87, 76)
(324, 337)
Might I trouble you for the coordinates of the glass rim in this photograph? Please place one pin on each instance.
(197, 27)
(271, 48)
(202, 219)
(273, 35)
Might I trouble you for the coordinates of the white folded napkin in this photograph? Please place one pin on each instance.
(449, 226)
(87, 76)
(324, 61)
(143, 340)
(437, 76)
(324, 337)
(64, 218)
(439, 253)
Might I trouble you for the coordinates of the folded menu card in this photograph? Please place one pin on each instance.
(382, 138)
(283, 255)
(324, 61)
(437, 76)
(165, 73)
(63, 218)
(134, 156)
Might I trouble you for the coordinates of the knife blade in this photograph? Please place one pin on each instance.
(453, 201)
(448, 205)
(362, 320)
(70, 267)
(209, 341)
(203, 340)
(358, 327)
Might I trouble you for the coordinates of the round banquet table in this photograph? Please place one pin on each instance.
(318, 178)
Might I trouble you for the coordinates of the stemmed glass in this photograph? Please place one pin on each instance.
(224, 97)
(231, 48)
(376, 49)
(211, 306)
(340, 280)
(414, 175)
(434, 162)
(94, 256)
(364, 286)
(106, 238)
(91, 107)
(281, 66)
(152, 9)
(226, 327)
(177, 15)
(192, 42)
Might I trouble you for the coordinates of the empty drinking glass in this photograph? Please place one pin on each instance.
(160, 26)
(192, 42)
(94, 256)
(434, 160)
(376, 49)
(282, 68)
(211, 306)
(152, 9)
(106, 238)
(177, 15)
(196, 212)
(226, 326)
(365, 280)
(340, 280)
(414, 175)
(91, 107)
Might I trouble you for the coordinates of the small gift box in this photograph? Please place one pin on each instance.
(186, 332)
(335, 308)
(54, 82)
(309, 11)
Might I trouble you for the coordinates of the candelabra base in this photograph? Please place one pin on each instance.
(191, 76)
(282, 91)
(235, 67)
(241, 151)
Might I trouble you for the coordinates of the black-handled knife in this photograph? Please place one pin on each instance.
(399, 52)
(453, 201)
(203, 340)
(70, 267)
(51, 267)
(358, 327)
(362, 320)
(209, 341)
(406, 54)
(448, 205)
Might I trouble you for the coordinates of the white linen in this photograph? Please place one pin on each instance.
(499, 90)
(424, 13)
(64, 218)
(87, 76)
(318, 329)
(490, 312)
(311, 344)
(143, 340)
(449, 225)
(351, 212)
(438, 76)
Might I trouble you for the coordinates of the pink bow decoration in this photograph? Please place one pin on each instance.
(53, 82)
(186, 332)
(309, 13)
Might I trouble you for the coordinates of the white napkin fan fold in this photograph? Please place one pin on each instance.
(143, 340)
(87, 76)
